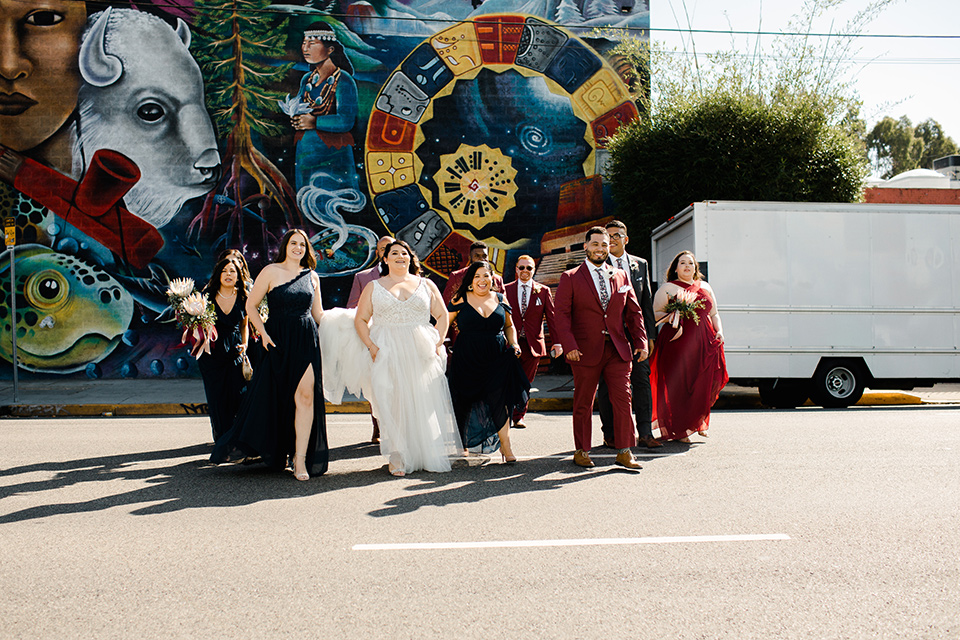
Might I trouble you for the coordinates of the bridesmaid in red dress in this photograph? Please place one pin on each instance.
(688, 367)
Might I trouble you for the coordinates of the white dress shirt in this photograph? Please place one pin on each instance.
(616, 263)
(596, 279)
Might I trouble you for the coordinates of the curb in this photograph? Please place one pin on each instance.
(541, 405)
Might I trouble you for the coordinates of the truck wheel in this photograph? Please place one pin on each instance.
(838, 384)
(784, 394)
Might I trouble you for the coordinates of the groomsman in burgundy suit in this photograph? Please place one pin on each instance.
(595, 307)
(530, 304)
(360, 280)
(639, 273)
(365, 277)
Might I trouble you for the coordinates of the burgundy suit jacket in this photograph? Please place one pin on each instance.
(539, 308)
(581, 320)
(360, 280)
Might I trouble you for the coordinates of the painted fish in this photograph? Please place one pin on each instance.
(69, 313)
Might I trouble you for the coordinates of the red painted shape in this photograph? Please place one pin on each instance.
(499, 38)
(93, 205)
(607, 124)
(389, 133)
(580, 201)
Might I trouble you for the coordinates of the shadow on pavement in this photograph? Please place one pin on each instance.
(192, 482)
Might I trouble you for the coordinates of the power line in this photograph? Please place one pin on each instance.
(207, 9)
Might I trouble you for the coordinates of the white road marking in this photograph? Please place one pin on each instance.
(574, 542)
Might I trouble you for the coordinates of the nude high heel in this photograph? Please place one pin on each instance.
(303, 475)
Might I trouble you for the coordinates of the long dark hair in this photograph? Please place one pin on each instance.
(337, 56)
(244, 267)
(468, 277)
(309, 259)
(672, 271)
(213, 286)
(414, 267)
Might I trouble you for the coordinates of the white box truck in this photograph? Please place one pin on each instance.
(820, 300)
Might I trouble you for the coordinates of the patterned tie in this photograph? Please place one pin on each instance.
(604, 296)
(523, 307)
(620, 264)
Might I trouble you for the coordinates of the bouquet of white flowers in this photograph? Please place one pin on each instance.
(683, 305)
(195, 315)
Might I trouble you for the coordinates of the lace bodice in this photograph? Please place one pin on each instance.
(388, 310)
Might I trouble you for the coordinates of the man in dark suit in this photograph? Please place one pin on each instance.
(360, 280)
(595, 307)
(365, 277)
(478, 252)
(638, 271)
(530, 304)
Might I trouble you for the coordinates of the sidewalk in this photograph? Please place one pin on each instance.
(184, 396)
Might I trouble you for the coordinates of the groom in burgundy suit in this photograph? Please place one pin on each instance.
(595, 306)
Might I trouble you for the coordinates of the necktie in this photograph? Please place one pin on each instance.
(604, 296)
(620, 264)
(523, 308)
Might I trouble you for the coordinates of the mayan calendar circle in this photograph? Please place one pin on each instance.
(477, 124)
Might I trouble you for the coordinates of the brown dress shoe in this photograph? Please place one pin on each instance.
(650, 443)
(582, 459)
(625, 459)
(517, 425)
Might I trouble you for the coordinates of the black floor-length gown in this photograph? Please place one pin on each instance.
(222, 372)
(264, 426)
(487, 382)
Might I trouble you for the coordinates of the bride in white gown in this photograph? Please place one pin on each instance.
(403, 375)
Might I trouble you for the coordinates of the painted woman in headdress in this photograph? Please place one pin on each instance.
(328, 95)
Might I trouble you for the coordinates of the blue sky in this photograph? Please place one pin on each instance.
(919, 78)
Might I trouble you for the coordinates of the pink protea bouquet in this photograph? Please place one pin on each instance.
(195, 315)
(683, 304)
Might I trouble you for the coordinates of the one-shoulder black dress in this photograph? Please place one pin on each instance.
(487, 382)
(264, 426)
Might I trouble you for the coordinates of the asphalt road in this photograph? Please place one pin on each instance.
(797, 524)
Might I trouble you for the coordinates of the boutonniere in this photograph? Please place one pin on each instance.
(608, 271)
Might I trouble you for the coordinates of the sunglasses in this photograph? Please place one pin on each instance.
(520, 268)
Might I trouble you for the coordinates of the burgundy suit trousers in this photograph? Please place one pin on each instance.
(616, 373)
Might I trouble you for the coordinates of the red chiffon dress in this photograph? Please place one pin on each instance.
(687, 372)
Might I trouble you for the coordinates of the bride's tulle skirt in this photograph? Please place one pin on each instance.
(406, 387)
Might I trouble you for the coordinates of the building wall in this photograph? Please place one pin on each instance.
(148, 141)
(886, 195)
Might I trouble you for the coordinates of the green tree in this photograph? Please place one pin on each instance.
(779, 125)
(936, 144)
(894, 147)
(234, 41)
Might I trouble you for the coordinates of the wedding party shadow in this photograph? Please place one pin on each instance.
(466, 484)
(181, 478)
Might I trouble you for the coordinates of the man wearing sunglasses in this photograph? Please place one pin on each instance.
(639, 273)
(530, 304)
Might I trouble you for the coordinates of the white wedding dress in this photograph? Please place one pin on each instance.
(406, 386)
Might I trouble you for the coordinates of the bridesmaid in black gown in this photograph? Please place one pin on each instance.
(254, 349)
(282, 413)
(487, 382)
(221, 370)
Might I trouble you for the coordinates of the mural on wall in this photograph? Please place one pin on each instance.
(137, 144)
